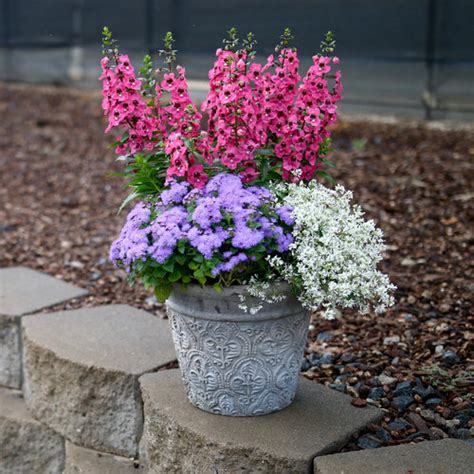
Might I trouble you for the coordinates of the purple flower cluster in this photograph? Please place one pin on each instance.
(224, 222)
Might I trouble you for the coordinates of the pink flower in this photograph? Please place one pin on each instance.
(104, 63)
(230, 158)
(168, 81)
(197, 177)
(179, 166)
(248, 175)
(322, 63)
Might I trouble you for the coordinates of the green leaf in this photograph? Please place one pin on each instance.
(117, 174)
(326, 176)
(264, 152)
(202, 280)
(175, 276)
(160, 272)
(198, 274)
(162, 292)
(133, 195)
(217, 287)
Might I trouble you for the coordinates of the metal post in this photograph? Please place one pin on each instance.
(149, 26)
(176, 16)
(6, 72)
(6, 22)
(76, 66)
(429, 96)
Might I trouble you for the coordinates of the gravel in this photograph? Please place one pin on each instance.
(450, 358)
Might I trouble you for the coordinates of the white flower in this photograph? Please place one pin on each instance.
(333, 260)
(263, 292)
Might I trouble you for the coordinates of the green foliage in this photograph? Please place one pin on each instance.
(147, 77)
(326, 176)
(110, 46)
(146, 175)
(168, 54)
(186, 266)
(285, 39)
(444, 381)
(325, 146)
(328, 44)
(162, 292)
(249, 45)
(231, 43)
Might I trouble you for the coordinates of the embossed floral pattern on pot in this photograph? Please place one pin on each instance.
(235, 363)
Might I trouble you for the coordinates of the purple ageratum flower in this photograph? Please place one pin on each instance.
(176, 216)
(208, 241)
(223, 183)
(132, 243)
(230, 264)
(284, 241)
(245, 238)
(168, 228)
(260, 192)
(175, 193)
(285, 214)
(207, 212)
(237, 200)
(140, 214)
(267, 226)
(160, 252)
(192, 196)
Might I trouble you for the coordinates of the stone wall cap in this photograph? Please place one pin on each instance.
(23, 291)
(319, 421)
(448, 456)
(112, 337)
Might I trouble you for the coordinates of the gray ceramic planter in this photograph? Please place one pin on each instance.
(235, 363)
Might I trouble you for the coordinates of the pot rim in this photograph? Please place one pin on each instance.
(204, 302)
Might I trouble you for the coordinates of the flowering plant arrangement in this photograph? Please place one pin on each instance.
(233, 200)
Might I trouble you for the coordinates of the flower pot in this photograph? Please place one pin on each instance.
(236, 363)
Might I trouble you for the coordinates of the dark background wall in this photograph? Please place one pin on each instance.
(411, 57)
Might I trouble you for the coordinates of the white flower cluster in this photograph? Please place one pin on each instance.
(335, 253)
(262, 292)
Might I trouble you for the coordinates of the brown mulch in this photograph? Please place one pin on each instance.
(58, 214)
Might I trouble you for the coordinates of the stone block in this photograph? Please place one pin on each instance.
(81, 371)
(26, 446)
(86, 461)
(448, 456)
(24, 291)
(179, 438)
